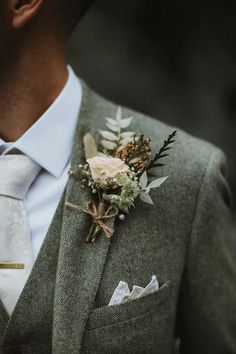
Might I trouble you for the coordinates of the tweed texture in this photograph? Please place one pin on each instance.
(183, 239)
(30, 326)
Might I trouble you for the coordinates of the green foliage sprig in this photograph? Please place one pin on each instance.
(162, 152)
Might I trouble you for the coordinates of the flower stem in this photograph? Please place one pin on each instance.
(99, 195)
(94, 230)
(117, 145)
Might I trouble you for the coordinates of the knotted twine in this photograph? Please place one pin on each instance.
(99, 214)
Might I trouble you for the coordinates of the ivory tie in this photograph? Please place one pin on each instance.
(17, 172)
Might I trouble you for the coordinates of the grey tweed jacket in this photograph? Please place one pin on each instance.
(183, 240)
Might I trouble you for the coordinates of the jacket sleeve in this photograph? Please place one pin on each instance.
(207, 303)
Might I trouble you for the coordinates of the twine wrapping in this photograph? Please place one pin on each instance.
(99, 214)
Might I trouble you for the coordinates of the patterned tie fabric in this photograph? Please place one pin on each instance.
(17, 172)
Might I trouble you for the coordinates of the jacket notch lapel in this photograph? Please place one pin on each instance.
(80, 264)
(4, 319)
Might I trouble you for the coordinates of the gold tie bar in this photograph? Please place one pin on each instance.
(11, 265)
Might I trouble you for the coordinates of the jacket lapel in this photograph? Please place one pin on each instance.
(80, 265)
(4, 318)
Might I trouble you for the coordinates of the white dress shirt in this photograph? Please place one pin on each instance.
(49, 143)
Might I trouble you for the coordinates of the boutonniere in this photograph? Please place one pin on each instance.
(119, 168)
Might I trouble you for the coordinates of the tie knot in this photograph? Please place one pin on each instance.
(17, 172)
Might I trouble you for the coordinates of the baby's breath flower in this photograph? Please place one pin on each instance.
(129, 191)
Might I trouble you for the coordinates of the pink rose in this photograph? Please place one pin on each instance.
(103, 168)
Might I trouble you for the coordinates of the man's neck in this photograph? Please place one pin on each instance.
(28, 92)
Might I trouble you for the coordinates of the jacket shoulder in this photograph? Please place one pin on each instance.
(189, 154)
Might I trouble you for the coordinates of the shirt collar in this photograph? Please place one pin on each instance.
(49, 141)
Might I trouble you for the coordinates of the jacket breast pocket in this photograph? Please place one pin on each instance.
(136, 326)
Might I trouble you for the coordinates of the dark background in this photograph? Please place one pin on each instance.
(174, 60)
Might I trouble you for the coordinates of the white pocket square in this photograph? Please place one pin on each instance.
(122, 293)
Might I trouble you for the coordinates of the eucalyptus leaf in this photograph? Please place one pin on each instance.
(143, 180)
(90, 146)
(124, 141)
(147, 190)
(108, 144)
(126, 122)
(146, 198)
(111, 121)
(119, 114)
(157, 182)
(108, 135)
(113, 128)
(127, 135)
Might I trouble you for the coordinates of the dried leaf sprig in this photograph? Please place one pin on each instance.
(115, 138)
